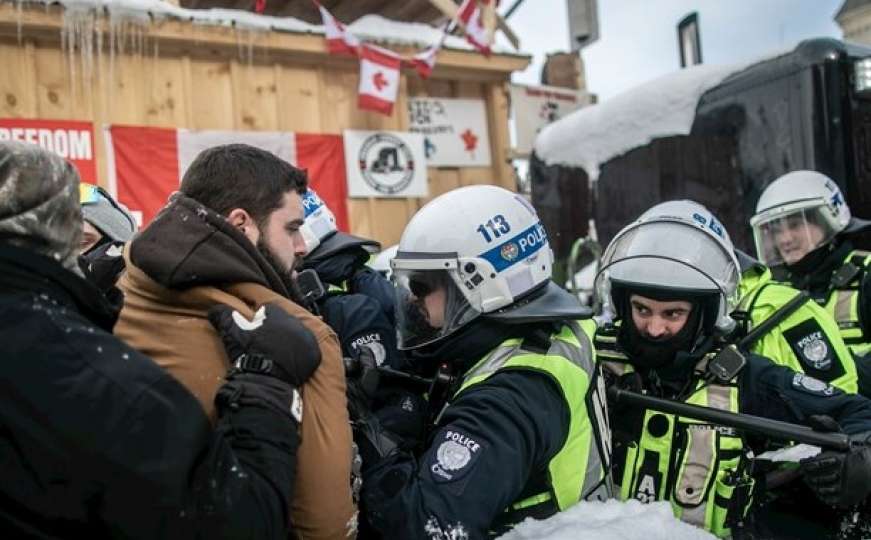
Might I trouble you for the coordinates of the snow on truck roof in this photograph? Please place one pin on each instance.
(666, 106)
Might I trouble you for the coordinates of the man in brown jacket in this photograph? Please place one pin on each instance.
(231, 236)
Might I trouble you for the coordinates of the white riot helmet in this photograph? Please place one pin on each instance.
(796, 214)
(381, 262)
(321, 235)
(319, 221)
(477, 250)
(675, 247)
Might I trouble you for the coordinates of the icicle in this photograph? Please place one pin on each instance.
(251, 36)
(113, 46)
(18, 14)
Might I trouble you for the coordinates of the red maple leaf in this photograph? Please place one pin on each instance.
(469, 139)
(379, 80)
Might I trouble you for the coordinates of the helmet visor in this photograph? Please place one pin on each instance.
(91, 194)
(785, 238)
(670, 256)
(429, 306)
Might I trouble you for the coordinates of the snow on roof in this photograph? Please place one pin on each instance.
(370, 27)
(630, 520)
(378, 28)
(666, 106)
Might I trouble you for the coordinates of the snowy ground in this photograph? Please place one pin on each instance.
(611, 520)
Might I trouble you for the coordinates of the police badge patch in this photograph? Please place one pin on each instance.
(809, 385)
(814, 350)
(455, 455)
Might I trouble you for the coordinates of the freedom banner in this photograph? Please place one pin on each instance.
(71, 140)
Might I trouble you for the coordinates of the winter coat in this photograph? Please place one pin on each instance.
(359, 305)
(97, 441)
(186, 261)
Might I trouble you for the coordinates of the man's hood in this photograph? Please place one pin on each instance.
(189, 245)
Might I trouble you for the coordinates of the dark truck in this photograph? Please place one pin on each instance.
(809, 108)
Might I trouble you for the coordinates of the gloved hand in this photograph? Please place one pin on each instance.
(841, 479)
(362, 382)
(273, 343)
(373, 441)
(404, 414)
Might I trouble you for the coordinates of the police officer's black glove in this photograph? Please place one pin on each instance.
(373, 441)
(403, 414)
(840, 479)
(362, 382)
(273, 343)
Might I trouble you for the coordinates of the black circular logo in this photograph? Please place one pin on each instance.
(386, 163)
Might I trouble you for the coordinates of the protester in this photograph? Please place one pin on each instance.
(98, 441)
(231, 236)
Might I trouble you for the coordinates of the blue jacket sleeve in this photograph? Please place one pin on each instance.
(780, 393)
(359, 321)
(488, 444)
(374, 285)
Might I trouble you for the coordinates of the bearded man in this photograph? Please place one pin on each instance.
(231, 236)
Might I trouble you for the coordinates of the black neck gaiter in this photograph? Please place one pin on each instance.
(647, 353)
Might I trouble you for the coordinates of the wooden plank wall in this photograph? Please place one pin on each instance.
(224, 88)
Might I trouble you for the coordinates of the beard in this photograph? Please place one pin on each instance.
(284, 272)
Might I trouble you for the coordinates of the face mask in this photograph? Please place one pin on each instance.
(650, 353)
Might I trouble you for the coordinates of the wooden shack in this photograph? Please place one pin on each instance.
(70, 63)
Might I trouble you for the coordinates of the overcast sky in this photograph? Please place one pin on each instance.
(638, 38)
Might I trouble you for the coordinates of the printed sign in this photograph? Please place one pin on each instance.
(537, 106)
(385, 164)
(71, 140)
(454, 131)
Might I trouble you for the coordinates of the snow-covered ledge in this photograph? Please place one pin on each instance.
(190, 28)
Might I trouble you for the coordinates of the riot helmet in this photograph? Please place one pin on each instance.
(798, 213)
(472, 252)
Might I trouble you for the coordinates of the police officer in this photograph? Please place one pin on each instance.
(521, 432)
(803, 337)
(667, 286)
(802, 229)
(359, 302)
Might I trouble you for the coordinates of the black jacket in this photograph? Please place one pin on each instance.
(513, 423)
(98, 441)
(361, 311)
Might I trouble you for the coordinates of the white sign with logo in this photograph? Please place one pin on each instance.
(537, 106)
(454, 130)
(385, 164)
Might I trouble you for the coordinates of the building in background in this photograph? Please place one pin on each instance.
(162, 80)
(854, 18)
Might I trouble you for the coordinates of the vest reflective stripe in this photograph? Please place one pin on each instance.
(577, 470)
(843, 304)
(532, 501)
(706, 462)
(700, 464)
(342, 287)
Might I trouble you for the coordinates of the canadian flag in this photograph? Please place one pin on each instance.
(470, 16)
(424, 61)
(146, 164)
(379, 79)
(339, 40)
